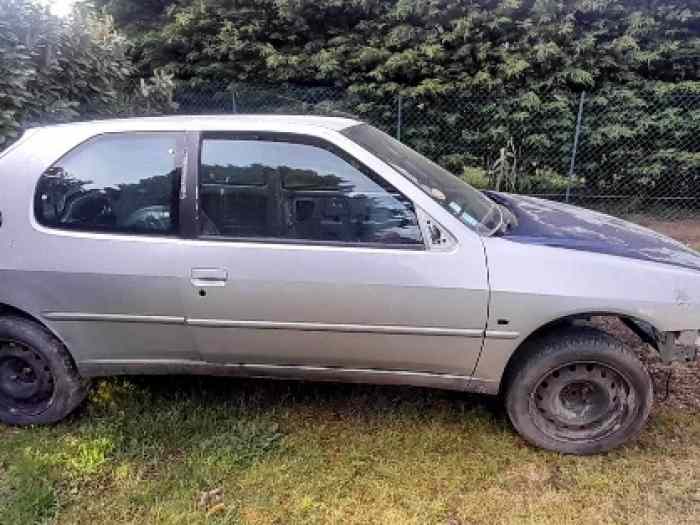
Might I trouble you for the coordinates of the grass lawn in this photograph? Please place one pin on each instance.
(144, 451)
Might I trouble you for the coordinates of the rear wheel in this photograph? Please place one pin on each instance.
(578, 391)
(38, 380)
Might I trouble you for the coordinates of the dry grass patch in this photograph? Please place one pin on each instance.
(685, 230)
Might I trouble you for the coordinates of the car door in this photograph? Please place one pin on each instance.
(305, 256)
(102, 263)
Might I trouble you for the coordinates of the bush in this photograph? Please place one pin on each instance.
(476, 177)
(55, 70)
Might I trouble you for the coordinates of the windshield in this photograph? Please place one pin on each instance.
(470, 206)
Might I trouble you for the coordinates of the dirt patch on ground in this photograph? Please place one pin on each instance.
(686, 230)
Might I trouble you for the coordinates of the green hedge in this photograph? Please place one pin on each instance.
(53, 70)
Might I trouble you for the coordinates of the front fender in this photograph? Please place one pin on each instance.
(532, 286)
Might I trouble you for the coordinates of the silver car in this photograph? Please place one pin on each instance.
(320, 249)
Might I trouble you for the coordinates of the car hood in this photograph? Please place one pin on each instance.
(561, 225)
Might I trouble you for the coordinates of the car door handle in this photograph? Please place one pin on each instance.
(208, 276)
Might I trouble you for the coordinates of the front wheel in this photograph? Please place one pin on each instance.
(578, 391)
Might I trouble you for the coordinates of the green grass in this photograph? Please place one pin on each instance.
(144, 450)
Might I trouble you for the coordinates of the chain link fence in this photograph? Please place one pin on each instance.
(632, 152)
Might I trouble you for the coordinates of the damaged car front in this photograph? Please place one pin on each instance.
(669, 318)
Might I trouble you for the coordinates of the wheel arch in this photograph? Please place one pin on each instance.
(642, 329)
(57, 386)
(7, 309)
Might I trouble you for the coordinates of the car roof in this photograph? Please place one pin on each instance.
(212, 122)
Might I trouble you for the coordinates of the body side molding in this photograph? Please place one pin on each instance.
(272, 325)
(113, 318)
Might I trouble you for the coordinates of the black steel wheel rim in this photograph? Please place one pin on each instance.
(582, 401)
(26, 381)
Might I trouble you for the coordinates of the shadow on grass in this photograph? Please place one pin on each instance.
(260, 395)
(204, 402)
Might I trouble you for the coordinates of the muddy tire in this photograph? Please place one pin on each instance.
(39, 383)
(578, 391)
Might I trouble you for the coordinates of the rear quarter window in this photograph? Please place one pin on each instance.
(117, 183)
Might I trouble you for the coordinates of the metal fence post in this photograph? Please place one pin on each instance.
(234, 103)
(572, 165)
(399, 117)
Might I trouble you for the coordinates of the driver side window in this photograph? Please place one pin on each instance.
(291, 189)
(115, 183)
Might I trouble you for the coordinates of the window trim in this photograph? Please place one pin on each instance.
(180, 146)
(194, 144)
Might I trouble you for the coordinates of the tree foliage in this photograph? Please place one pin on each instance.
(418, 46)
(53, 70)
(490, 87)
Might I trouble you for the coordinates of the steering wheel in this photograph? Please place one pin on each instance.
(150, 218)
